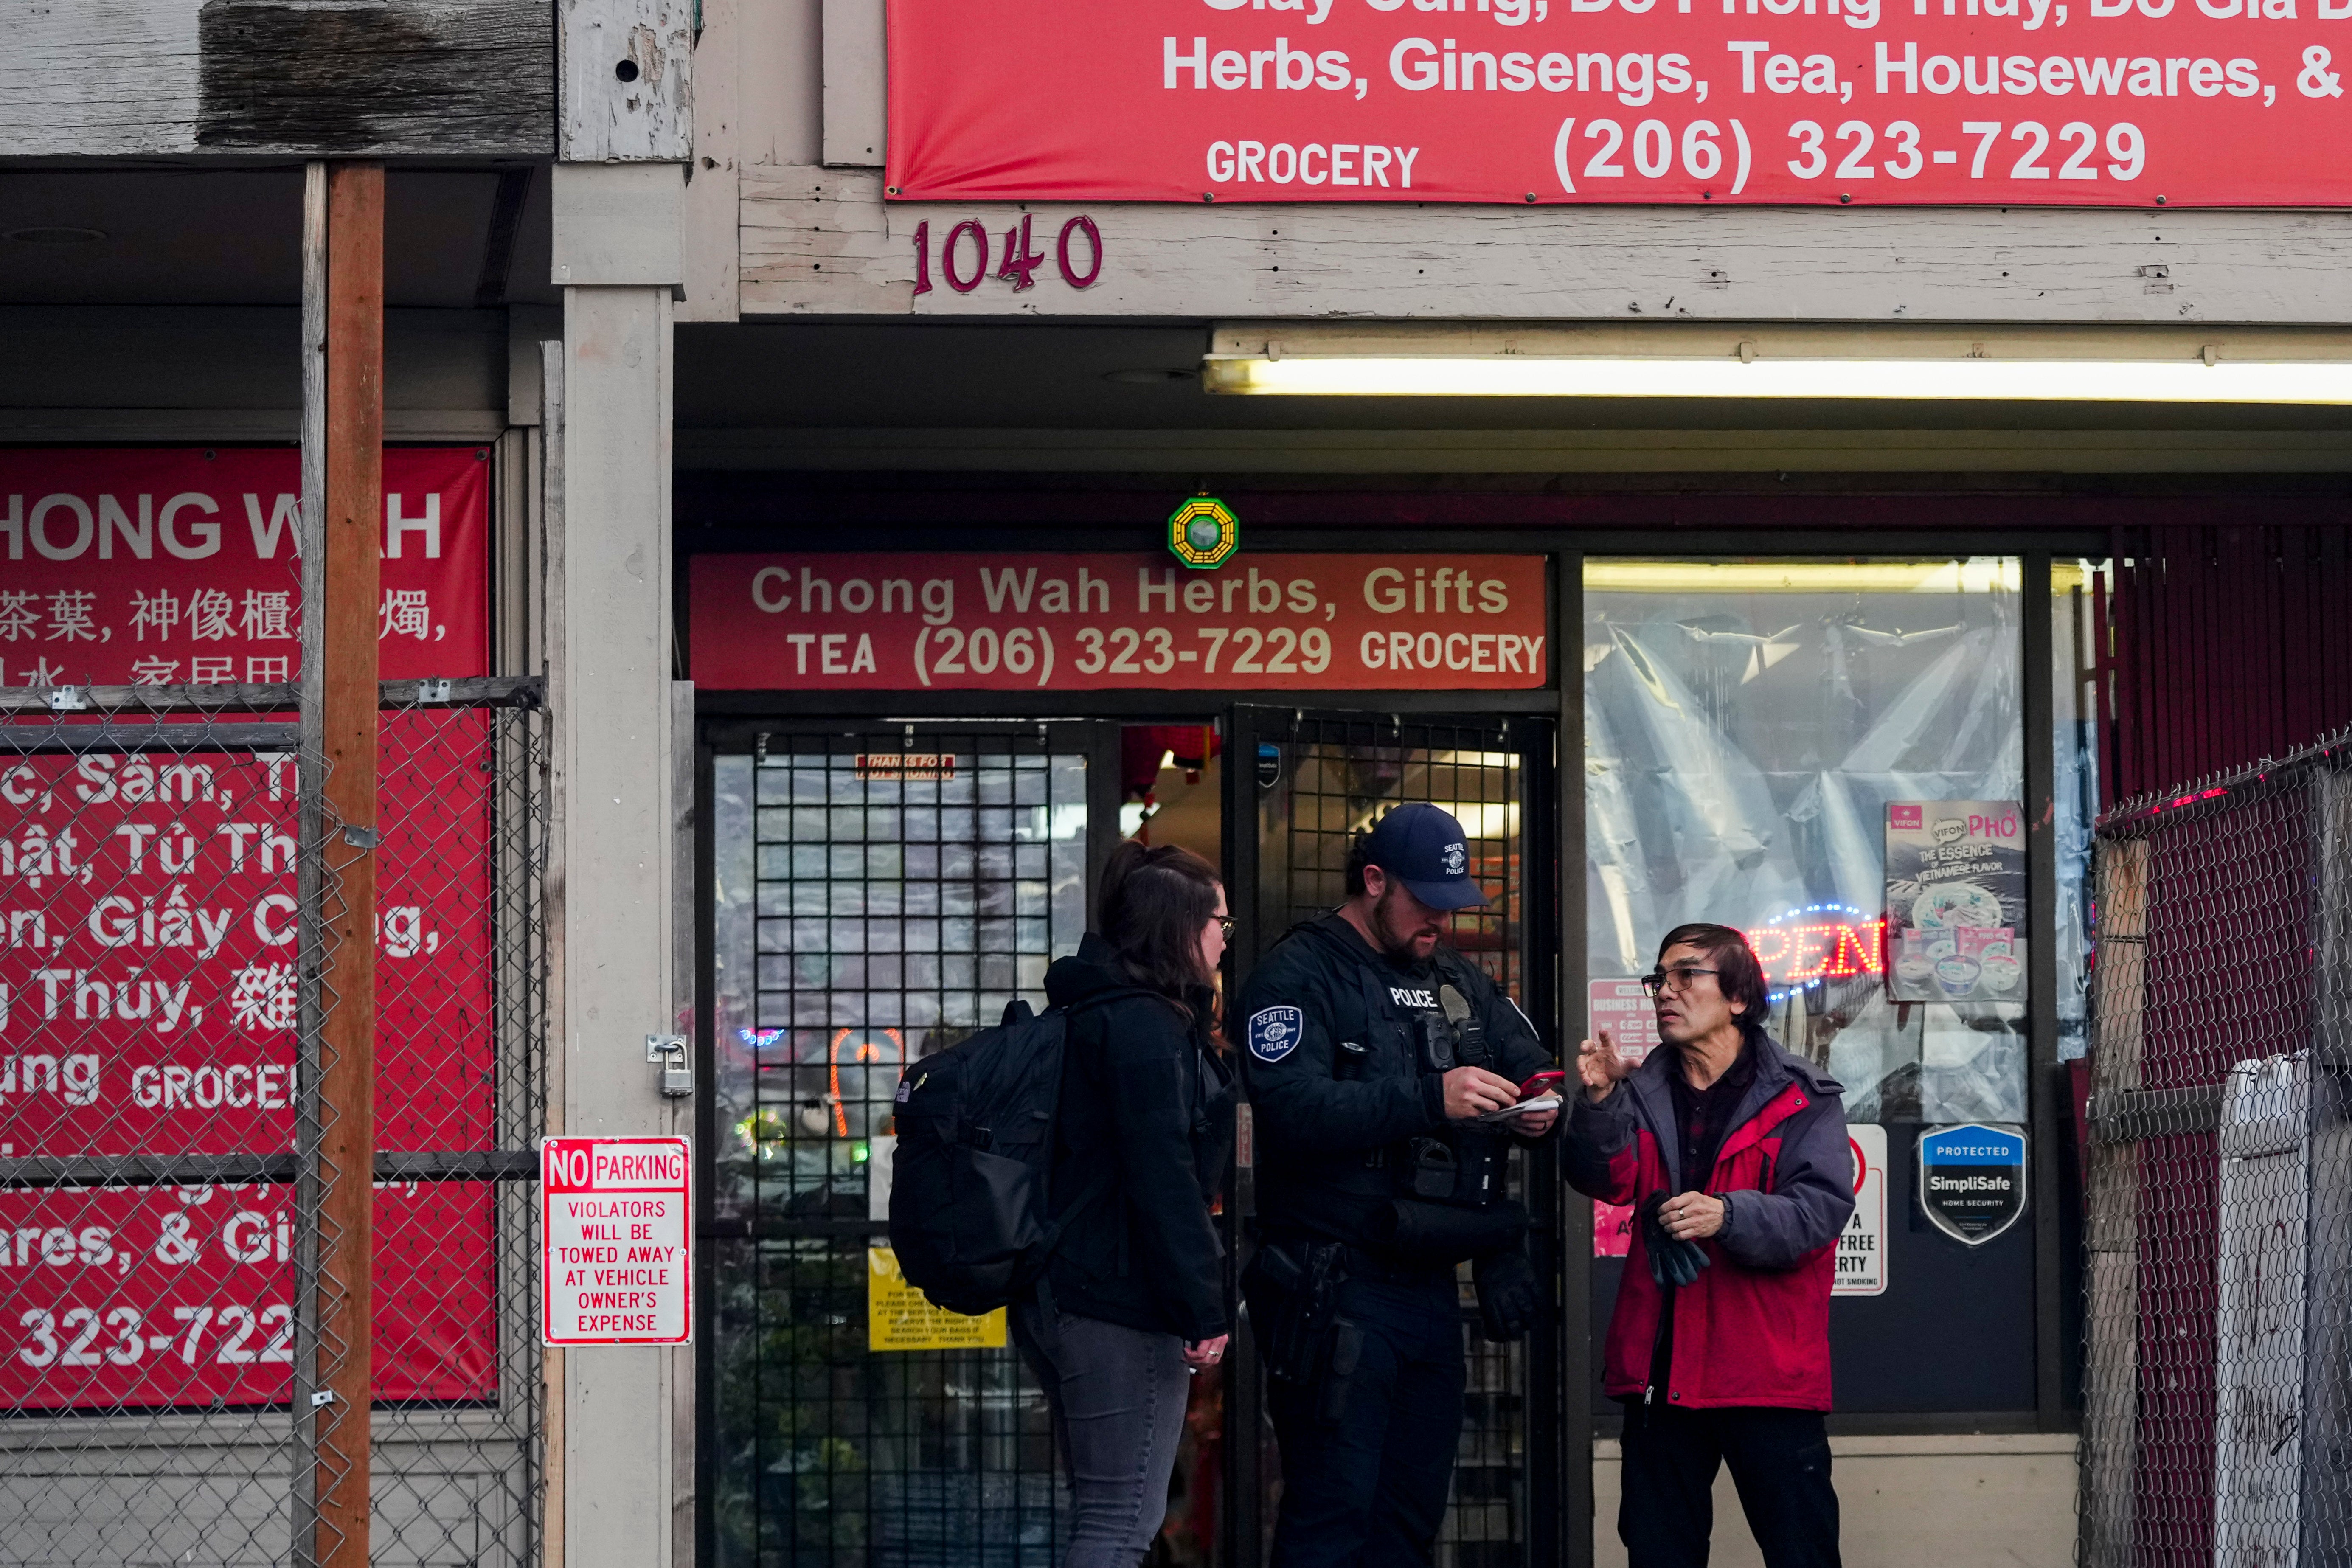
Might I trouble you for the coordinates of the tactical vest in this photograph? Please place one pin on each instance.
(1393, 1038)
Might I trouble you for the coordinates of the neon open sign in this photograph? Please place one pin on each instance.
(1818, 941)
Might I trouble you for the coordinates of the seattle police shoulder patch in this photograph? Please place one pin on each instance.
(1273, 1033)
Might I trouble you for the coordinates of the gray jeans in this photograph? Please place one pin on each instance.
(1117, 1397)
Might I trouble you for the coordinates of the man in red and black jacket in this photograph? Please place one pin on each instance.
(1735, 1157)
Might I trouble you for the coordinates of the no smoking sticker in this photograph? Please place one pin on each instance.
(1862, 1247)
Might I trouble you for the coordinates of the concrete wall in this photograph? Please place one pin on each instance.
(1996, 1501)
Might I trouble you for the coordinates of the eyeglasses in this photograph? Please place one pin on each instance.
(1225, 926)
(1679, 977)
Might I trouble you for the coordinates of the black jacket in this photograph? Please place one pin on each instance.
(1325, 1139)
(1147, 1102)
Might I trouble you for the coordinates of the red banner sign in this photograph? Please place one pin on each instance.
(2057, 102)
(147, 922)
(1099, 623)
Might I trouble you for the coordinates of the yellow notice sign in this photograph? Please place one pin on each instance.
(898, 1317)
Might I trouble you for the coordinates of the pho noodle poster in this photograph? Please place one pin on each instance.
(1956, 900)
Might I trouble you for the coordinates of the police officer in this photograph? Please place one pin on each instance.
(1370, 1052)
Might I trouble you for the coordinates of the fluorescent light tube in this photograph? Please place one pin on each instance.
(1975, 574)
(1941, 380)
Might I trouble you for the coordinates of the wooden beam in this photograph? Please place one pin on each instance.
(354, 454)
(627, 70)
(857, 121)
(709, 250)
(304, 78)
(820, 241)
(555, 1394)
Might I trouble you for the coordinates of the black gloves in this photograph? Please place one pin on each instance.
(1672, 1262)
(1509, 1300)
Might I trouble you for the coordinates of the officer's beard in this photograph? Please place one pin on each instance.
(1401, 933)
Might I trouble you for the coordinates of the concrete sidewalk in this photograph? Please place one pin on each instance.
(1992, 1500)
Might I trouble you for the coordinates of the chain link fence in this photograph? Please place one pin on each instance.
(166, 908)
(2218, 1378)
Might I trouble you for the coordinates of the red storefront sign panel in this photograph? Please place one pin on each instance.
(147, 920)
(615, 1223)
(2054, 102)
(1098, 623)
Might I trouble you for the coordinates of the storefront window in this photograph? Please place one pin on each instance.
(1747, 726)
(2077, 596)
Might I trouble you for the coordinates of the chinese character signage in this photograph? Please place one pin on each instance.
(1956, 900)
(161, 567)
(1094, 622)
(147, 931)
(2141, 103)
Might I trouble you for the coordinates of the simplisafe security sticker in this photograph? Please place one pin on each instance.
(1972, 1180)
(1273, 1033)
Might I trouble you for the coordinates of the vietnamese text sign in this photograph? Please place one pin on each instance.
(2075, 102)
(1862, 1247)
(900, 1318)
(616, 1227)
(147, 924)
(1956, 900)
(1091, 623)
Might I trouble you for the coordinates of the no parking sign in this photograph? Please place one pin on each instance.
(614, 1228)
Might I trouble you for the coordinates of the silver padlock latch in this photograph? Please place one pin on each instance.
(676, 1077)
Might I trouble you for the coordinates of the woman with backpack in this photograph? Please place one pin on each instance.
(1133, 1302)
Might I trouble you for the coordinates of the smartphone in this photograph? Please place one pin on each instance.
(1545, 1082)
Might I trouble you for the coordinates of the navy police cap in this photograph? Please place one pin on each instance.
(1423, 846)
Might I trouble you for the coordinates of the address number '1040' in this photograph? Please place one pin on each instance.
(965, 255)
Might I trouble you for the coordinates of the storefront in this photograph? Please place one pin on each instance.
(880, 888)
(1620, 454)
(914, 754)
(1832, 494)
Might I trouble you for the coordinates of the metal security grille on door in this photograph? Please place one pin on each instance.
(877, 899)
(1338, 775)
(1319, 783)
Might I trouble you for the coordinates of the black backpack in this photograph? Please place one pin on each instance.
(968, 1203)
